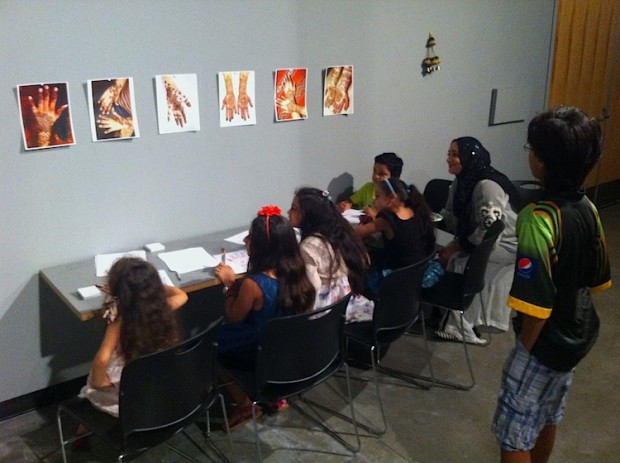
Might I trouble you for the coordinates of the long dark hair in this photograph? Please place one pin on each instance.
(147, 322)
(321, 218)
(273, 246)
(414, 200)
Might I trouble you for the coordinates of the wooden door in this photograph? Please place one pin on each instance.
(586, 72)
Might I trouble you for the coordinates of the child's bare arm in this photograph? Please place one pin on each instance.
(530, 330)
(175, 297)
(98, 373)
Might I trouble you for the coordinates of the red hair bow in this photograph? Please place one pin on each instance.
(270, 210)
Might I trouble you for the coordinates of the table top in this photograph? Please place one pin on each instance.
(66, 279)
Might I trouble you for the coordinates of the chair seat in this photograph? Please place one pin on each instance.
(101, 424)
(275, 391)
(448, 292)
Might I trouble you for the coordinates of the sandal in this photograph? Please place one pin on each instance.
(241, 415)
(450, 335)
(276, 406)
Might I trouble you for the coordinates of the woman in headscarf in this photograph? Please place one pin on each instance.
(479, 195)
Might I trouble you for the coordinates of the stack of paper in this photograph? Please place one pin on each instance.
(188, 260)
(103, 262)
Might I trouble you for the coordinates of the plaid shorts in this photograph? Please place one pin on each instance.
(531, 397)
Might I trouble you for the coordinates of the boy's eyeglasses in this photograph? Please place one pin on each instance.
(527, 147)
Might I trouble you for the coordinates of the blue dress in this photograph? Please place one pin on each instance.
(237, 342)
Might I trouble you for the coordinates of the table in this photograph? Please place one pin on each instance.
(66, 279)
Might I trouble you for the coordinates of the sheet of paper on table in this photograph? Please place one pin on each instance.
(238, 260)
(103, 262)
(442, 238)
(188, 260)
(238, 238)
(353, 215)
(165, 279)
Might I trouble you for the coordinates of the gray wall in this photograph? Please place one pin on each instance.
(70, 203)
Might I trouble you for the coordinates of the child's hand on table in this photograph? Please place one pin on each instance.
(344, 205)
(226, 274)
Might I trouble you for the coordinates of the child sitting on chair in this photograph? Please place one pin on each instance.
(139, 310)
(404, 221)
(276, 285)
(387, 165)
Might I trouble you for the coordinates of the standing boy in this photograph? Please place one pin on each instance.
(561, 258)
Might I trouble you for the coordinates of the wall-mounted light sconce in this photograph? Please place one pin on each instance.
(432, 61)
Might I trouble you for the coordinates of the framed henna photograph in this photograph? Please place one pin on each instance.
(46, 115)
(177, 103)
(236, 98)
(290, 94)
(112, 109)
(338, 91)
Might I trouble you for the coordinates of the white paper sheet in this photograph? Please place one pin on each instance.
(442, 238)
(103, 262)
(353, 216)
(238, 238)
(238, 260)
(165, 279)
(188, 260)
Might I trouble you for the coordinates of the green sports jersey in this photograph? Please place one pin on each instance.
(561, 258)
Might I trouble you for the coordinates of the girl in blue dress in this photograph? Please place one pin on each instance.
(276, 284)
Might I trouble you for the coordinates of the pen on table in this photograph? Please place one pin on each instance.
(224, 256)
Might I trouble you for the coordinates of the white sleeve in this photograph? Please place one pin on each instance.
(489, 203)
(312, 259)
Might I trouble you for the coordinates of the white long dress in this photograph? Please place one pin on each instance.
(490, 203)
(106, 399)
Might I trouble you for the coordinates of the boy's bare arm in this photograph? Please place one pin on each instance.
(530, 330)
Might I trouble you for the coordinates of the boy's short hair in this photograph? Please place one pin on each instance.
(568, 142)
(392, 162)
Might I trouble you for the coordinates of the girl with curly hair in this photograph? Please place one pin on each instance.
(139, 310)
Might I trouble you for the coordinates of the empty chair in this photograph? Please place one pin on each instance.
(436, 193)
(529, 190)
(160, 395)
(456, 291)
(396, 309)
(295, 354)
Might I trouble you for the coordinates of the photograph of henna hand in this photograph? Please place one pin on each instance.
(177, 103)
(46, 116)
(112, 109)
(338, 91)
(236, 108)
(290, 94)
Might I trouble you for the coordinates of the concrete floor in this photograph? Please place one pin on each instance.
(425, 426)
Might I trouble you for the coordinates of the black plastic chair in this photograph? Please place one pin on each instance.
(456, 291)
(295, 354)
(529, 191)
(161, 394)
(436, 193)
(397, 308)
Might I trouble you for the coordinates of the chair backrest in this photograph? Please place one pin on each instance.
(436, 193)
(473, 275)
(298, 348)
(398, 304)
(163, 392)
(529, 190)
